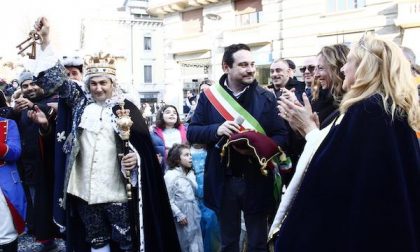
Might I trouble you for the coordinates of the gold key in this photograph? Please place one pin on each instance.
(34, 38)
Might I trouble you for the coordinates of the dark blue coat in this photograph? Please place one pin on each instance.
(37, 171)
(203, 128)
(31, 162)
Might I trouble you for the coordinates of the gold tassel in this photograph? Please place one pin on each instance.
(263, 167)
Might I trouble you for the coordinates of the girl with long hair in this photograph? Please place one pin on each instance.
(169, 130)
(182, 185)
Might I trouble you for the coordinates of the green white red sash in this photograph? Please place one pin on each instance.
(230, 109)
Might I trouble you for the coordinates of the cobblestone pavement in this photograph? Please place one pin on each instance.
(27, 244)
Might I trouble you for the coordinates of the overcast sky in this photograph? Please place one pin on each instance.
(18, 16)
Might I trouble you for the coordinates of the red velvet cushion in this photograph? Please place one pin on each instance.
(262, 146)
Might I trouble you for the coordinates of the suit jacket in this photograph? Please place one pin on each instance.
(261, 104)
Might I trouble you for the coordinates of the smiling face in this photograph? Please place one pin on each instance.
(308, 70)
(170, 117)
(186, 158)
(31, 90)
(243, 69)
(279, 74)
(323, 72)
(74, 73)
(101, 88)
(349, 71)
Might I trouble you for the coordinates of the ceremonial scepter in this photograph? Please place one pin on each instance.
(124, 124)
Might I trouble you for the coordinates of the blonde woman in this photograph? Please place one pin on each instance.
(357, 183)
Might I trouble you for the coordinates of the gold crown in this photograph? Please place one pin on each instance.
(100, 63)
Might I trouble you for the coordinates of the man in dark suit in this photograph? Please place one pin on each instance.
(230, 188)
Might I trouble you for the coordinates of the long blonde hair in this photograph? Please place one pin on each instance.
(335, 57)
(383, 69)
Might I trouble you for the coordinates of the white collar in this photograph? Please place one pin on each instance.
(237, 95)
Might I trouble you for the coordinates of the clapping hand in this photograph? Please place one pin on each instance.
(290, 95)
(300, 118)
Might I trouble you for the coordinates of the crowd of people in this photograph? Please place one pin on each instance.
(80, 162)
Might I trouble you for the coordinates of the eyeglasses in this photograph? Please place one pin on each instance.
(310, 68)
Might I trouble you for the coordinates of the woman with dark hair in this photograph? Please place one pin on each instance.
(168, 131)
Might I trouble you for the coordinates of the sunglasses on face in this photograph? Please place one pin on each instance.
(310, 68)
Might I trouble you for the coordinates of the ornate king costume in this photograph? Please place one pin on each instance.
(95, 123)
